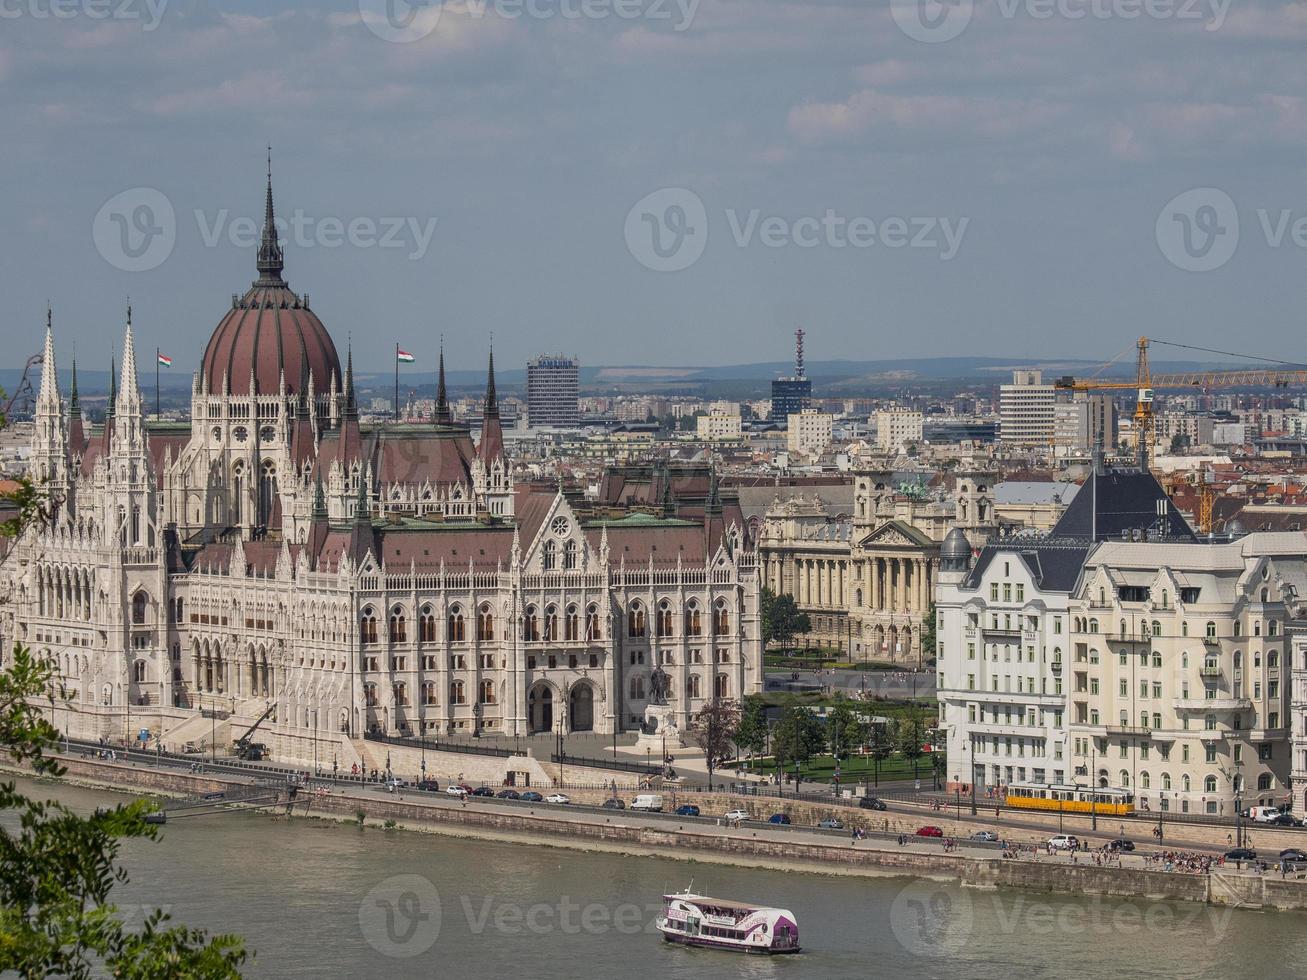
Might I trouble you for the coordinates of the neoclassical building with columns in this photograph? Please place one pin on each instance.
(276, 555)
(867, 580)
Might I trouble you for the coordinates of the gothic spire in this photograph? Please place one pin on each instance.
(113, 385)
(350, 406)
(48, 397)
(442, 415)
(491, 446)
(492, 401)
(74, 404)
(129, 388)
(270, 255)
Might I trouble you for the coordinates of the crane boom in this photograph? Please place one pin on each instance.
(1145, 381)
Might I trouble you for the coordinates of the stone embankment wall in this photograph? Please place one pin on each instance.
(687, 841)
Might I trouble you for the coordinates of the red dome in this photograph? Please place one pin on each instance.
(272, 334)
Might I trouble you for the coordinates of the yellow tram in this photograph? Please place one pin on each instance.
(1070, 799)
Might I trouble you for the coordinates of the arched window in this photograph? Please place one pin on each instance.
(427, 626)
(1274, 628)
(530, 624)
(551, 623)
(1124, 779)
(637, 688)
(1211, 630)
(455, 632)
(1145, 780)
(692, 686)
(1264, 782)
(1184, 782)
(635, 620)
(571, 624)
(569, 555)
(401, 695)
(486, 692)
(1209, 784)
(398, 626)
(485, 623)
(592, 631)
(140, 672)
(1093, 626)
(456, 693)
(722, 686)
(368, 627)
(664, 618)
(267, 491)
(429, 692)
(139, 602)
(1238, 628)
(693, 623)
(721, 621)
(1166, 780)
(549, 556)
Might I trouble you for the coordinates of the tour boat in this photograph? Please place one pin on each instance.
(696, 920)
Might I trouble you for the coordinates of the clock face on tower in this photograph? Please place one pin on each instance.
(560, 526)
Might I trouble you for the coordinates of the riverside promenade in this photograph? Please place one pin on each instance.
(888, 850)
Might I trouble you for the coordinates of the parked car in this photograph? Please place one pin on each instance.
(929, 831)
(1263, 814)
(483, 791)
(1064, 842)
(614, 804)
(985, 835)
(393, 783)
(872, 803)
(687, 810)
(457, 789)
(830, 823)
(1282, 820)
(509, 794)
(1121, 844)
(736, 816)
(428, 785)
(557, 798)
(779, 818)
(652, 802)
(531, 796)
(1241, 854)
(1293, 854)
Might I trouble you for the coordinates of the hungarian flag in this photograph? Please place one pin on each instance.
(404, 356)
(165, 360)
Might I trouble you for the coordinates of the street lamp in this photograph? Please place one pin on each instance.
(973, 773)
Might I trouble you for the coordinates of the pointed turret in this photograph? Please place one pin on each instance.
(492, 432)
(318, 525)
(49, 445)
(270, 260)
(129, 390)
(442, 414)
(48, 398)
(76, 430)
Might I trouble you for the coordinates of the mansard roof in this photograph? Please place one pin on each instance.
(1119, 502)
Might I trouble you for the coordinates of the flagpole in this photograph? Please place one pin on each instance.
(396, 381)
(157, 352)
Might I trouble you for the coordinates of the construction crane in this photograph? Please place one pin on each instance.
(1146, 382)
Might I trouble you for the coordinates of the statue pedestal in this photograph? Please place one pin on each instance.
(659, 730)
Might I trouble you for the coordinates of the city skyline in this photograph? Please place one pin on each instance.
(1050, 238)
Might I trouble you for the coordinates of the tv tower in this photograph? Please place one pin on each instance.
(798, 355)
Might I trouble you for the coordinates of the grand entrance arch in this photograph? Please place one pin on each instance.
(581, 708)
(540, 708)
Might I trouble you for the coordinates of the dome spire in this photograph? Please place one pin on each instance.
(270, 256)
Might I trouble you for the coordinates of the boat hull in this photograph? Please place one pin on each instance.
(707, 942)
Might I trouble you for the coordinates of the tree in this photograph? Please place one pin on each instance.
(781, 619)
(751, 734)
(845, 730)
(57, 869)
(798, 736)
(928, 633)
(880, 743)
(713, 728)
(912, 735)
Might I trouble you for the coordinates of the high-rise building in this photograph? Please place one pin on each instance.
(896, 429)
(551, 390)
(790, 396)
(1026, 410)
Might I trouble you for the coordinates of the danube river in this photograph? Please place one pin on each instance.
(316, 899)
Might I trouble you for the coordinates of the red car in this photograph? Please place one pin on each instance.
(929, 832)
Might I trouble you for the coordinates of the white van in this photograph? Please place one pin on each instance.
(1263, 814)
(651, 802)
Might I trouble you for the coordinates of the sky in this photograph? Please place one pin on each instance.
(662, 181)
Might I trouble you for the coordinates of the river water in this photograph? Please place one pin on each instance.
(317, 899)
